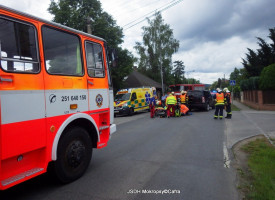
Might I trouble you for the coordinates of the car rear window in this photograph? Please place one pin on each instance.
(195, 93)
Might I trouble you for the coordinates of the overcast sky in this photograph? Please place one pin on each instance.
(214, 34)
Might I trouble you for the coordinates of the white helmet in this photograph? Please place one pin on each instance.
(218, 90)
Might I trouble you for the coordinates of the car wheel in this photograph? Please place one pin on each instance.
(74, 153)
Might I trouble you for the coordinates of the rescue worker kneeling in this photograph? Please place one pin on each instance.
(170, 103)
(183, 109)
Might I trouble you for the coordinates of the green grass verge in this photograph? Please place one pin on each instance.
(234, 108)
(261, 172)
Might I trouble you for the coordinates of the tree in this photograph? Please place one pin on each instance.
(214, 85)
(272, 45)
(119, 74)
(267, 81)
(256, 61)
(157, 49)
(252, 63)
(178, 72)
(235, 74)
(77, 13)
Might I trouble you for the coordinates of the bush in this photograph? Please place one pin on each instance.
(254, 82)
(250, 84)
(267, 78)
(244, 84)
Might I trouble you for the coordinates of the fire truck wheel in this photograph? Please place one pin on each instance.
(74, 154)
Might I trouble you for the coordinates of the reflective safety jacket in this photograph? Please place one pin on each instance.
(171, 100)
(220, 99)
(184, 98)
(228, 97)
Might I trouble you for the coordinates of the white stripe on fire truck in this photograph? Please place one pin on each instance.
(25, 105)
(22, 105)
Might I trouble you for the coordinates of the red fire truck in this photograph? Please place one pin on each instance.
(56, 98)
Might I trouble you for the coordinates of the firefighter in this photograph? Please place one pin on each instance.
(184, 98)
(170, 103)
(227, 95)
(220, 102)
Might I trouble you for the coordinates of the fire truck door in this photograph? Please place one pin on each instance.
(22, 103)
(97, 77)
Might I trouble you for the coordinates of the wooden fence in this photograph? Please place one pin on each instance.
(258, 99)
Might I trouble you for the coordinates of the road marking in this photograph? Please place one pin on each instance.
(226, 160)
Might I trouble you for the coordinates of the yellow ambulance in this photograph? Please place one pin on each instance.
(128, 101)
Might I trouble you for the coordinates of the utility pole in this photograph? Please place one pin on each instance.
(161, 74)
(89, 25)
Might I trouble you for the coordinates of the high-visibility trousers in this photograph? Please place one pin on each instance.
(170, 110)
(152, 111)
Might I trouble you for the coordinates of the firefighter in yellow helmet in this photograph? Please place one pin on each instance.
(184, 97)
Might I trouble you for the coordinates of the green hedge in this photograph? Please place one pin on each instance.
(250, 84)
(267, 78)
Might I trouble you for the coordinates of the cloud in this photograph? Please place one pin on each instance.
(213, 35)
(210, 59)
(33, 7)
(217, 21)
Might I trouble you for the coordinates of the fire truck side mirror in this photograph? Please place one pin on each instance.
(113, 57)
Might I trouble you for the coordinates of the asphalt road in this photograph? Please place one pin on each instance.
(175, 158)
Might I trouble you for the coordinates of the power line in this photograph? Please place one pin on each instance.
(134, 9)
(171, 4)
(144, 16)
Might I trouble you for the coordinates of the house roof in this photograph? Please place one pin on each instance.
(137, 79)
